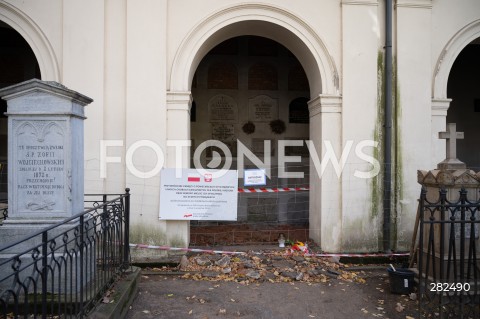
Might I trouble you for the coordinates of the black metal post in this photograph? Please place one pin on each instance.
(82, 241)
(126, 246)
(44, 273)
(387, 185)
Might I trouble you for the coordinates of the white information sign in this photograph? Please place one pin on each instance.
(254, 177)
(198, 196)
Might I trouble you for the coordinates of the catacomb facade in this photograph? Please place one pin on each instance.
(162, 71)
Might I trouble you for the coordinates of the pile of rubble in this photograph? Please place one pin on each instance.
(273, 266)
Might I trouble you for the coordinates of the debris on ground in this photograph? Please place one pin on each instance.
(272, 266)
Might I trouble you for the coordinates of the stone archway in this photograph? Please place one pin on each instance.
(35, 38)
(18, 63)
(440, 100)
(325, 105)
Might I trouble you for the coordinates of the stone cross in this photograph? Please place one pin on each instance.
(451, 135)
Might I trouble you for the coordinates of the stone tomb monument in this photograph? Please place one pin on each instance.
(45, 156)
(452, 175)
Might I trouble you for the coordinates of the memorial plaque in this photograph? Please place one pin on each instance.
(223, 132)
(262, 108)
(222, 108)
(258, 147)
(39, 173)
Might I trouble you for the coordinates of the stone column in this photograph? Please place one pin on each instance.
(45, 156)
(178, 128)
(325, 189)
(439, 122)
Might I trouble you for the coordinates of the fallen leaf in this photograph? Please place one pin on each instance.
(190, 312)
(222, 311)
(399, 307)
(146, 311)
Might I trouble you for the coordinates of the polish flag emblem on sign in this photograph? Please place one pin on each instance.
(207, 177)
(193, 178)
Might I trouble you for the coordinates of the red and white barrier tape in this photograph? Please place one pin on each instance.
(272, 190)
(196, 250)
(359, 255)
(209, 251)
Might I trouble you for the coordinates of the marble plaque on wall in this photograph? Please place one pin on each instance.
(222, 108)
(40, 165)
(223, 132)
(262, 108)
(258, 147)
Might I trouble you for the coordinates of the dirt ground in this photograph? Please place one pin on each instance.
(258, 287)
(173, 297)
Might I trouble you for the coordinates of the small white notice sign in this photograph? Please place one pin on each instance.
(198, 196)
(254, 177)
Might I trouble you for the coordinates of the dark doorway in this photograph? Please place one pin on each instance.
(17, 64)
(464, 90)
(251, 89)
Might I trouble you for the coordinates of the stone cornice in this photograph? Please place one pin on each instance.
(180, 101)
(440, 106)
(325, 104)
(418, 4)
(457, 178)
(360, 2)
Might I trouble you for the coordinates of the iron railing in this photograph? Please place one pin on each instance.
(64, 270)
(448, 260)
(3, 211)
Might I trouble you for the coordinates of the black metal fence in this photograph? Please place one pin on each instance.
(3, 211)
(448, 259)
(65, 270)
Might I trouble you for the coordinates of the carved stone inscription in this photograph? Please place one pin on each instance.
(223, 132)
(40, 166)
(222, 108)
(262, 108)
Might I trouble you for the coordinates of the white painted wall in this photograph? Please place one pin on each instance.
(127, 55)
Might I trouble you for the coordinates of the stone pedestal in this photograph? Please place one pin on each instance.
(452, 181)
(45, 162)
(45, 151)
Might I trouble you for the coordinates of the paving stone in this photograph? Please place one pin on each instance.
(298, 259)
(290, 274)
(215, 257)
(263, 259)
(270, 275)
(282, 264)
(313, 272)
(333, 272)
(227, 270)
(253, 274)
(184, 263)
(203, 261)
(223, 262)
